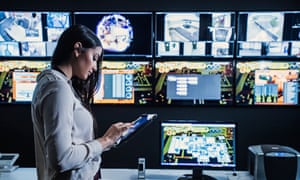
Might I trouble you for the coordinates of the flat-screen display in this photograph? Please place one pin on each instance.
(261, 26)
(295, 48)
(9, 48)
(26, 33)
(267, 83)
(193, 83)
(249, 48)
(125, 82)
(197, 144)
(191, 33)
(268, 33)
(277, 48)
(121, 33)
(21, 26)
(292, 25)
(18, 79)
(56, 23)
(33, 49)
(265, 26)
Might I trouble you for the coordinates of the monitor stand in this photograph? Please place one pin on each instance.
(197, 175)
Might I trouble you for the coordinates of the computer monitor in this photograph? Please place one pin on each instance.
(191, 33)
(198, 145)
(18, 79)
(267, 82)
(10, 48)
(260, 26)
(125, 82)
(21, 26)
(121, 33)
(193, 82)
(30, 33)
(56, 23)
(267, 33)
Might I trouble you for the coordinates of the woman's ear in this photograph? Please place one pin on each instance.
(77, 49)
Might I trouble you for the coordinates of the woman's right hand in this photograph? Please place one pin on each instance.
(112, 134)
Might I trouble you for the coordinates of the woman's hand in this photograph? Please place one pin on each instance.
(112, 134)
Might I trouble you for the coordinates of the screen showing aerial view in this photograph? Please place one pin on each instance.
(187, 143)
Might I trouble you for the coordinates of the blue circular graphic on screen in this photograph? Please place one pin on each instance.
(115, 33)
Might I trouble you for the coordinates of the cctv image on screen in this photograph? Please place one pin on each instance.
(193, 83)
(197, 144)
(172, 29)
(265, 26)
(191, 33)
(267, 83)
(121, 33)
(256, 28)
(20, 26)
(18, 79)
(125, 82)
(31, 33)
(9, 48)
(56, 23)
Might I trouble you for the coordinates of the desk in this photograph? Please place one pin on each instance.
(131, 174)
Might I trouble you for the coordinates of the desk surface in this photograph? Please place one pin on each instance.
(128, 174)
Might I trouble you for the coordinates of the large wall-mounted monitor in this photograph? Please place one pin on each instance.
(18, 79)
(198, 145)
(273, 33)
(192, 33)
(121, 33)
(125, 82)
(193, 83)
(267, 82)
(30, 33)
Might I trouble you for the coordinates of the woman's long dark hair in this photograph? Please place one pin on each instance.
(85, 89)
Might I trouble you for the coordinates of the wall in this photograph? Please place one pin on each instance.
(256, 125)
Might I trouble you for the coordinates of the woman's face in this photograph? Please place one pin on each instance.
(86, 62)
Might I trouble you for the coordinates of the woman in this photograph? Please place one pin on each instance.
(64, 134)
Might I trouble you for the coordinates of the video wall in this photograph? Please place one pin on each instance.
(164, 58)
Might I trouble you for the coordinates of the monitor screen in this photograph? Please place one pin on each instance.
(267, 33)
(18, 79)
(33, 49)
(191, 33)
(121, 33)
(197, 144)
(56, 23)
(295, 50)
(277, 48)
(265, 26)
(267, 83)
(193, 83)
(125, 82)
(292, 25)
(28, 33)
(9, 48)
(21, 26)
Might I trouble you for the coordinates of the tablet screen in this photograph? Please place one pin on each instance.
(138, 124)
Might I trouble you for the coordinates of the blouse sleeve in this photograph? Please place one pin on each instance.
(57, 112)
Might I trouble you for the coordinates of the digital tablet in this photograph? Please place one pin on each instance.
(141, 122)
